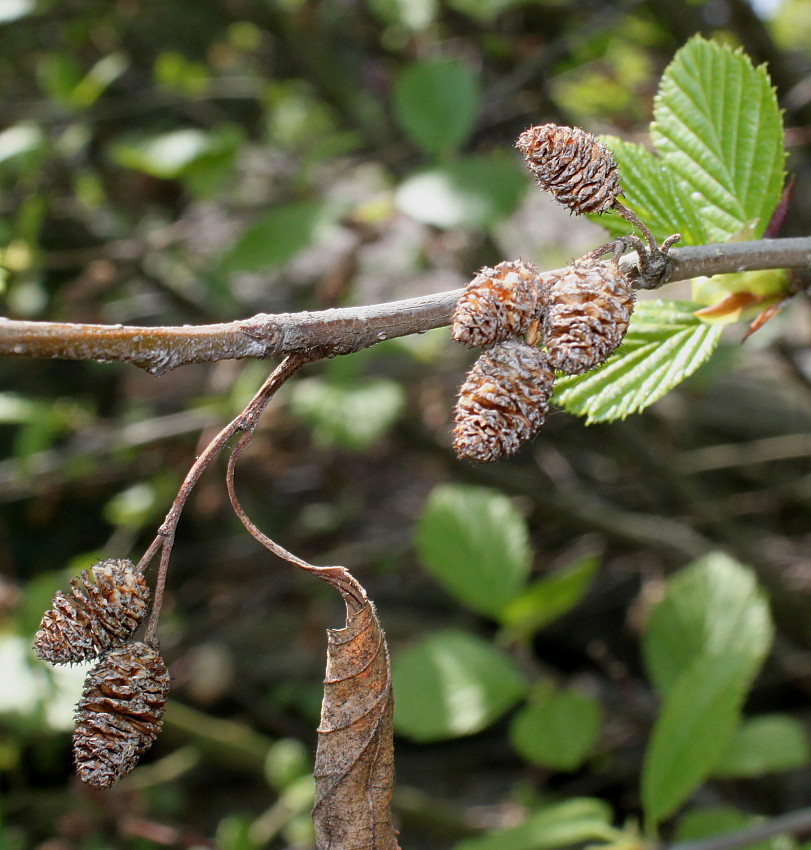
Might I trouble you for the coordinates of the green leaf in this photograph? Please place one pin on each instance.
(765, 744)
(655, 194)
(452, 684)
(665, 344)
(576, 821)
(698, 717)
(164, 155)
(712, 607)
(278, 236)
(705, 823)
(352, 415)
(435, 102)
(103, 74)
(548, 598)
(20, 140)
(474, 542)
(557, 728)
(718, 127)
(476, 191)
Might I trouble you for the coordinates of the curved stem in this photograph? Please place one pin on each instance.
(339, 577)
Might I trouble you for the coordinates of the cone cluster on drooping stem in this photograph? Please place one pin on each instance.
(121, 709)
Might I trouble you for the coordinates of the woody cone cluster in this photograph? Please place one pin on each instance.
(573, 165)
(105, 606)
(499, 303)
(582, 313)
(121, 709)
(503, 401)
(587, 311)
(120, 712)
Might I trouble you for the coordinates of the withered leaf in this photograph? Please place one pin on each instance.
(354, 762)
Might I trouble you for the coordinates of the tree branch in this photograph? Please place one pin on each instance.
(338, 331)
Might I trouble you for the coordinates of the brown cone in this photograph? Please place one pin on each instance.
(497, 304)
(503, 401)
(588, 308)
(578, 170)
(106, 605)
(120, 713)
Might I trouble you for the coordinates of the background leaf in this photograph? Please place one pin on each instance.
(573, 822)
(475, 543)
(764, 744)
(698, 717)
(549, 597)
(452, 684)
(471, 192)
(664, 345)
(712, 607)
(351, 415)
(278, 236)
(557, 728)
(704, 823)
(717, 125)
(435, 102)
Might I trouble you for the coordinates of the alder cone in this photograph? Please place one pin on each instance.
(588, 307)
(497, 304)
(120, 712)
(503, 401)
(105, 606)
(573, 165)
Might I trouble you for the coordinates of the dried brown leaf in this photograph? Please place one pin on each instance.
(354, 762)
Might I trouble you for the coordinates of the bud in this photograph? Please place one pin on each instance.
(588, 307)
(503, 401)
(120, 713)
(578, 170)
(106, 605)
(497, 304)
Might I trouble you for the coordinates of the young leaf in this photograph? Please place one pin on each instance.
(548, 598)
(664, 345)
(698, 717)
(452, 684)
(476, 191)
(577, 821)
(655, 194)
(475, 543)
(556, 728)
(435, 102)
(765, 744)
(718, 127)
(712, 607)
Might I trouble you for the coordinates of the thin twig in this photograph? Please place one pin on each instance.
(339, 331)
(793, 823)
(245, 421)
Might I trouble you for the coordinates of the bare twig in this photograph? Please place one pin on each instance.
(246, 421)
(339, 331)
(793, 823)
